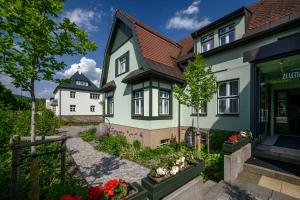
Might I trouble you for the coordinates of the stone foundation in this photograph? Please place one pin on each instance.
(150, 138)
(83, 118)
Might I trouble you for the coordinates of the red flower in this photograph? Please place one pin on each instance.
(110, 193)
(71, 197)
(234, 138)
(111, 184)
(94, 193)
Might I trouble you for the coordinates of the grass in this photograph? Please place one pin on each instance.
(152, 158)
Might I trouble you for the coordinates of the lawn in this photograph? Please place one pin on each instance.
(152, 158)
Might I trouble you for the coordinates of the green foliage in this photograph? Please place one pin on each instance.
(136, 144)
(112, 144)
(89, 135)
(214, 165)
(217, 138)
(201, 84)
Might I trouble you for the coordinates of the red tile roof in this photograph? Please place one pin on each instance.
(266, 11)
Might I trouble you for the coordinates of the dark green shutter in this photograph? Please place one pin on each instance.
(127, 61)
(116, 67)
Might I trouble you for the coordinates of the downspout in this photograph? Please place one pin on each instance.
(60, 104)
(179, 139)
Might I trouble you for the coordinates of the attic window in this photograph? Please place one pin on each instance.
(227, 34)
(83, 83)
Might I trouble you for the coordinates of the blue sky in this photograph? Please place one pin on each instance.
(172, 18)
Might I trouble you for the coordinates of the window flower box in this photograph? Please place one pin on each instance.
(160, 187)
(230, 147)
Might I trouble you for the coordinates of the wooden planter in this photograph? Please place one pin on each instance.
(159, 190)
(139, 192)
(229, 148)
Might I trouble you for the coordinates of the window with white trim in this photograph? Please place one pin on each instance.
(122, 65)
(227, 34)
(94, 96)
(207, 43)
(72, 94)
(228, 97)
(164, 103)
(72, 108)
(110, 105)
(82, 83)
(202, 111)
(138, 102)
(92, 108)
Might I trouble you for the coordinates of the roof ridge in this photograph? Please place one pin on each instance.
(146, 27)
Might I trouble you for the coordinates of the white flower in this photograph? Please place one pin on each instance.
(182, 166)
(177, 162)
(174, 170)
(182, 159)
(243, 134)
(161, 171)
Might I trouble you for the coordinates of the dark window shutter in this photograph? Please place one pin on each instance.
(127, 61)
(116, 67)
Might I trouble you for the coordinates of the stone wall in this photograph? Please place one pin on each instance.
(83, 118)
(234, 163)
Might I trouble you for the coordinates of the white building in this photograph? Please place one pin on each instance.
(79, 99)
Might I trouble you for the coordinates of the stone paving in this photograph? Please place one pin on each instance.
(98, 167)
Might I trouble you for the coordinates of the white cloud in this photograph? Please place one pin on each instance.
(187, 18)
(7, 82)
(85, 18)
(88, 67)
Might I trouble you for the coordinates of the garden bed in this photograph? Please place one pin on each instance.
(229, 148)
(159, 189)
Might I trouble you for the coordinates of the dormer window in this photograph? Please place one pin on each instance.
(82, 83)
(227, 34)
(122, 64)
(207, 42)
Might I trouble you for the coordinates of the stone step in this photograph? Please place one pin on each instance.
(255, 169)
(207, 186)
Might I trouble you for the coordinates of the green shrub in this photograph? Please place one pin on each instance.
(89, 135)
(218, 137)
(112, 144)
(137, 144)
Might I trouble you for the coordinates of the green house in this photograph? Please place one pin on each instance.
(254, 52)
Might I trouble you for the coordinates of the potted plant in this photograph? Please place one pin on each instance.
(116, 189)
(163, 180)
(237, 141)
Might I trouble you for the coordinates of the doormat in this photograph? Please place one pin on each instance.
(288, 142)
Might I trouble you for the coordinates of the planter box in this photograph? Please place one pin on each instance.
(229, 148)
(159, 190)
(139, 194)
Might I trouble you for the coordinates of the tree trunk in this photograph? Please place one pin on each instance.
(198, 137)
(34, 167)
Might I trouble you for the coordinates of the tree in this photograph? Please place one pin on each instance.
(33, 38)
(200, 87)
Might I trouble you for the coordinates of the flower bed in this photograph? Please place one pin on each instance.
(235, 142)
(116, 189)
(164, 180)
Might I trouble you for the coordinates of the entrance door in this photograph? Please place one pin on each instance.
(287, 112)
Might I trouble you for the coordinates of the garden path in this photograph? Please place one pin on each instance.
(97, 167)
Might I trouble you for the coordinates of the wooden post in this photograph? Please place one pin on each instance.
(15, 166)
(208, 142)
(63, 160)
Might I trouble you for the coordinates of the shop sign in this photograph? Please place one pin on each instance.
(291, 75)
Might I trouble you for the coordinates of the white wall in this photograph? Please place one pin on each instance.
(82, 101)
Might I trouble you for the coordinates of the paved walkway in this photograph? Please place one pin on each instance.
(98, 167)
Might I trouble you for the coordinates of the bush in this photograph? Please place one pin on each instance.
(137, 144)
(217, 138)
(112, 144)
(89, 135)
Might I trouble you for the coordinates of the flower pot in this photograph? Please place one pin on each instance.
(229, 148)
(137, 192)
(157, 190)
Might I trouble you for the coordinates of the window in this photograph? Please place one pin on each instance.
(207, 43)
(72, 94)
(202, 111)
(139, 103)
(83, 83)
(165, 141)
(92, 108)
(122, 64)
(72, 108)
(164, 103)
(227, 34)
(110, 105)
(228, 97)
(94, 96)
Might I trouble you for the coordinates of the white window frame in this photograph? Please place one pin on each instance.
(72, 108)
(228, 97)
(72, 94)
(202, 111)
(94, 96)
(122, 64)
(164, 102)
(82, 83)
(110, 105)
(225, 32)
(138, 101)
(92, 108)
(205, 41)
